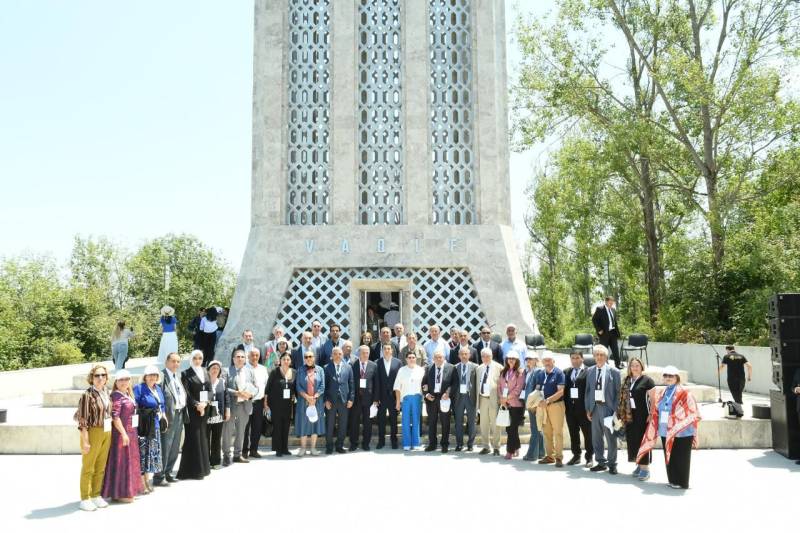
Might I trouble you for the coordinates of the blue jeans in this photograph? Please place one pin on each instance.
(411, 411)
(536, 445)
(119, 352)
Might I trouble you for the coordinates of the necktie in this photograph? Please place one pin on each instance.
(599, 384)
(363, 371)
(438, 375)
(574, 375)
(338, 368)
(463, 373)
(485, 377)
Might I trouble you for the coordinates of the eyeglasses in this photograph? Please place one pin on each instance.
(239, 357)
(101, 375)
(309, 357)
(486, 332)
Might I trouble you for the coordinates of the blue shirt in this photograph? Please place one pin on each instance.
(517, 346)
(145, 399)
(548, 383)
(666, 405)
(168, 326)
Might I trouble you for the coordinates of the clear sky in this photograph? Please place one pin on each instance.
(133, 120)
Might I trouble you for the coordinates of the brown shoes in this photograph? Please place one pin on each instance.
(547, 461)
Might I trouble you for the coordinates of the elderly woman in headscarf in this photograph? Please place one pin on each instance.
(194, 454)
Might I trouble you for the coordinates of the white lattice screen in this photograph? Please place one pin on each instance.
(442, 296)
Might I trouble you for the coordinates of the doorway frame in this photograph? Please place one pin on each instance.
(357, 286)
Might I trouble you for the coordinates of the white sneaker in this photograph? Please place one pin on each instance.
(87, 505)
(314, 452)
(301, 453)
(99, 502)
(407, 448)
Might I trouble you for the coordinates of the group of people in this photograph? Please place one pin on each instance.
(130, 436)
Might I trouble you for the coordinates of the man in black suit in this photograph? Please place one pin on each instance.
(605, 324)
(437, 386)
(577, 422)
(386, 374)
(364, 372)
(463, 342)
(377, 348)
(300, 351)
(339, 390)
(487, 342)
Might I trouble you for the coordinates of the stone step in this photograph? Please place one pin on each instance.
(51, 431)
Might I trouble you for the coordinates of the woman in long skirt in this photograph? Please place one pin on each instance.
(194, 454)
(223, 413)
(280, 398)
(169, 337)
(150, 401)
(123, 478)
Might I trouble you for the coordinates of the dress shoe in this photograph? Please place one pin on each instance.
(559, 464)
(241, 459)
(328, 451)
(575, 460)
(379, 446)
(589, 464)
(469, 448)
(353, 448)
(430, 448)
(444, 448)
(245, 453)
(547, 461)
(612, 470)
(341, 450)
(171, 479)
(226, 462)
(598, 468)
(365, 448)
(459, 448)
(255, 455)
(485, 451)
(395, 445)
(496, 451)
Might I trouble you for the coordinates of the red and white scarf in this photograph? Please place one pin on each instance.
(684, 414)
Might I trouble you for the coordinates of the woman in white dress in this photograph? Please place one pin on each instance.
(169, 337)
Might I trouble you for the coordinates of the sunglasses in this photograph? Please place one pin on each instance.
(101, 375)
(309, 357)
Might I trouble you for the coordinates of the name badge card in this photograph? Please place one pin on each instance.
(203, 395)
(505, 392)
(362, 383)
(437, 387)
(135, 421)
(107, 424)
(663, 417)
(522, 394)
(463, 388)
(633, 403)
(599, 395)
(573, 393)
(286, 394)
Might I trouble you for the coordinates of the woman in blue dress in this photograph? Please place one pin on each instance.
(310, 389)
(169, 338)
(150, 406)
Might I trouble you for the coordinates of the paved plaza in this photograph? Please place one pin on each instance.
(384, 491)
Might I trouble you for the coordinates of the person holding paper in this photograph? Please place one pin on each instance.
(465, 397)
(602, 395)
(551, 382)
(309, 418)
(438, 389)
(221, 412)
(408, 400)
(510, 386)
(194, 454)
(633, 410)
(531, 373)
(252, 432)
(279, 401)
(487, 376)
(175, 412)
(123, 478)
(94, 423)
(241, 385)
(674, 417)
(339, 395)
(388, 366)
(574, 400)
(150, 404)
(364, 372)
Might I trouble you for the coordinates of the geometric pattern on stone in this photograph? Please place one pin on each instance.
(442, 296)
(308, 177)
(380, 119)
(452, 112)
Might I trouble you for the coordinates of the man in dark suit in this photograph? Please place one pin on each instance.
(437, 386)
(385, 376)
(377, 348)
(247, 344)
(326, 352)
(300, 351)
(364, 372)
(175, 411)
(605, 324)
(487, 342)
(463, 342)
(465, 397)
(339, 395)
(575, 403)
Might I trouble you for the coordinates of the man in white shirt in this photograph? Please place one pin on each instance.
(408, 400)
(399, 338)
(253, 429)
(436, 342)
(174, 409)
(487, 375)
(318, 340)
(347, 352)
(241, 390)
(513, 343)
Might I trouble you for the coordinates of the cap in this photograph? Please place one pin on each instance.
(122, 374)
(670, 371)
(151, 369)
(512, 355)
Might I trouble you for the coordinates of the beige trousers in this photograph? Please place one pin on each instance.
(488, 410)
(554, 431)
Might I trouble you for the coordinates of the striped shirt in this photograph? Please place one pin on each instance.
(92, 409)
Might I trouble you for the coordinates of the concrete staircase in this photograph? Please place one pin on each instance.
(43, 424)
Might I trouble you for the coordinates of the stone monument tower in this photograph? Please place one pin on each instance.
(380, 169)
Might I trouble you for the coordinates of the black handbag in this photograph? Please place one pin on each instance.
(266, 426)
(147, 423)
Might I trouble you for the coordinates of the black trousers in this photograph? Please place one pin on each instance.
(280, 431)
(680, 460)
(252, 431)
(736, 386)
(207, 342)
(517, 415)
(383, 409)
(361, 420)
(335, 425)
(634, 432)
(434, 415)
(577, 423)
(611, 341)
(215, 443)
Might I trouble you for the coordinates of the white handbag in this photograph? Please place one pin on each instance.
(503, 418)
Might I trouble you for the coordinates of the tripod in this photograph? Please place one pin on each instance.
(719, 363)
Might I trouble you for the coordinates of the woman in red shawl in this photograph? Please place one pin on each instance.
(673, 417)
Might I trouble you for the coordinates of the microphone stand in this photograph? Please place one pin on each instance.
(719, 363)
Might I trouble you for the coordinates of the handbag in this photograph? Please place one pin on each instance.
(146, 426)
(503, 418)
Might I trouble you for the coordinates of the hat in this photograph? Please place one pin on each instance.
(547, 354)
(150, 370)
(311, 413)
(512, 354)
(167, 311)
(122, 374)
(670, 371)
(531, 354)
(214, 363)
(444, 406)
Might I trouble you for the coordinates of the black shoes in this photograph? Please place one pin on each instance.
(459, 448)
(395, 445)
(379, 446)
(485, 451)
(365, 447)
(328, 451)
(612, 470)
(598, 468)
(430, 448)
(353, 448)
(255, 455)
(241, 459)
(575, 460)
(469, 448)
(496, 451)
(341, 450)
(444, 448)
